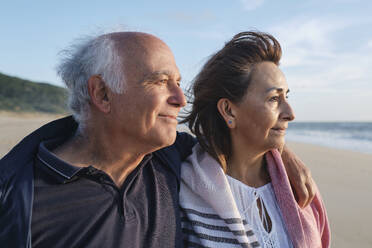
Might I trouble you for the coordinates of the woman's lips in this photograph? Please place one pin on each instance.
(279, 130)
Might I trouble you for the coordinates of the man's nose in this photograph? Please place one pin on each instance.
(177, 97)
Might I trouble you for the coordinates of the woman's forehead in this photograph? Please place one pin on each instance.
(266, 76)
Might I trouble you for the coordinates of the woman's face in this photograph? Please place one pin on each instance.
(261, 118)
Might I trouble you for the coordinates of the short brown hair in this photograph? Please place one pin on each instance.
(227, 74)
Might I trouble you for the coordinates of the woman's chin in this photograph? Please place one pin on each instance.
(277, 144)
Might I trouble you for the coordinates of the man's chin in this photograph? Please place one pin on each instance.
(167, 137)
(171, 139)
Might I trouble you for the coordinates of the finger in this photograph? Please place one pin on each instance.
(301, 193)
(311, 191)
(300, 189)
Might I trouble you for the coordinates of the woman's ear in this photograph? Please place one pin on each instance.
(99, 94)
(226, 109)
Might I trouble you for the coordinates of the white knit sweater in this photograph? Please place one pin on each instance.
(210, 217)
(246, 199)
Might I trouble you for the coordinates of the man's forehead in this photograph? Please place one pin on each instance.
(142, 49)
(168, 73)
(144, 56)
(135, 42)
(131, 36)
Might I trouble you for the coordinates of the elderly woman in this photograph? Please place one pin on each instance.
(235, 191)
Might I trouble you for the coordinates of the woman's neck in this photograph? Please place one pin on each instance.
(248, 166)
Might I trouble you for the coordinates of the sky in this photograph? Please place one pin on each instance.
(327, 45)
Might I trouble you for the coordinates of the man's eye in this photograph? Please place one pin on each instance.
(162, 81)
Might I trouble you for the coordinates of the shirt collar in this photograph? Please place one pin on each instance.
(63, 171)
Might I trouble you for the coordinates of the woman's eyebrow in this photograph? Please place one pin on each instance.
(277, 89)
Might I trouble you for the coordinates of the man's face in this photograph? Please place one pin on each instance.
(147, 110)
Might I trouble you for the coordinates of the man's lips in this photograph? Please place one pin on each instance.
(170, 118)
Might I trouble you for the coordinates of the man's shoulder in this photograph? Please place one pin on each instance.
(181, 148)
(184, 144)
(173, 155)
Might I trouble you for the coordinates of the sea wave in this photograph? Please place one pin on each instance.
(356, 136)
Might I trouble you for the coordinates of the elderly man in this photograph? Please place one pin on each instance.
(110, 178)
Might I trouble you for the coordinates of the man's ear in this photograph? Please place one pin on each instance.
(98, 92)
(226, 109)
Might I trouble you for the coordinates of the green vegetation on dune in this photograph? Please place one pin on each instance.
(21, 95)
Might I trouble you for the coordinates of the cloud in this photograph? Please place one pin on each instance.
(251, 4)
(216, 36)
(369, 44)
(314, 56)
(301, 37)
(186, 17)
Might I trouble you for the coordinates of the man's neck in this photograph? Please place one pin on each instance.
(117, 160)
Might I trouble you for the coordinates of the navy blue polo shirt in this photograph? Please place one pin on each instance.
(82, 207)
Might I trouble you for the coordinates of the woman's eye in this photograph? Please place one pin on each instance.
(274, 99)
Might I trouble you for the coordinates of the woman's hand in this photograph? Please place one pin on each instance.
(299, 176)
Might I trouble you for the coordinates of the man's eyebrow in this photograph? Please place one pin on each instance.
(276, 89)
(156, 74)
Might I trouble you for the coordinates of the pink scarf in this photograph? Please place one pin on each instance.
(308, 227)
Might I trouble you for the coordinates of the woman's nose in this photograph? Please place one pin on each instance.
(288, 113)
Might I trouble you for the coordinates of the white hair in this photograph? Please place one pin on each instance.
(85, 58)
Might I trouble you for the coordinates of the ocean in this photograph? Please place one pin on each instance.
(355, 136)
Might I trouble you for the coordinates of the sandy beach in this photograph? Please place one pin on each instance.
(14, 127)
(344, 180)
(343, 177)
